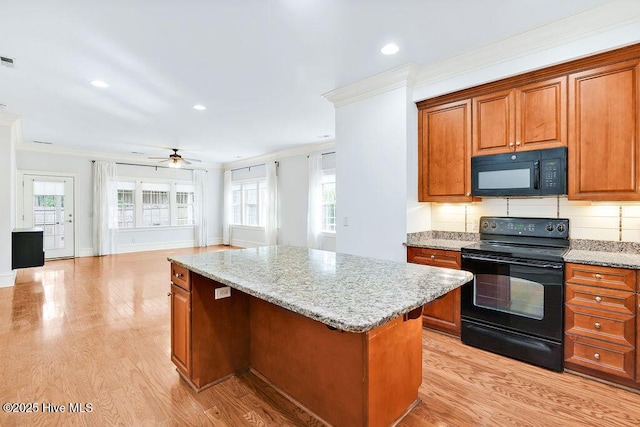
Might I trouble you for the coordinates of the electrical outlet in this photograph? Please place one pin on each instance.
(220, 293)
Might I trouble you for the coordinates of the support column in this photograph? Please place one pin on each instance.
(10, 130)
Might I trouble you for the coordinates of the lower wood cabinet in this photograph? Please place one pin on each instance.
(181, 329)
(442, 314)
(601, 325)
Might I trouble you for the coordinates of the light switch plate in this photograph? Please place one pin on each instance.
(220, 293)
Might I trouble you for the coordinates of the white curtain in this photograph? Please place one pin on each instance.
(314, 210)
(200, 208)
(105, 208)
(228, 209)
(271, 226)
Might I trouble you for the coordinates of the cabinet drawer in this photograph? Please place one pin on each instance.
(601, 298)
(607, 326)
(180, 276)
(434, 257)
(601, 356)
(604, 277)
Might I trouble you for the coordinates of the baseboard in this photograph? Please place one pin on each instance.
(215, 241)
(85, 252)
(245, 243)
(154, 246)
(8, 279)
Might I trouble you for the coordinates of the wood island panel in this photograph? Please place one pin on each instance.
(344, 378)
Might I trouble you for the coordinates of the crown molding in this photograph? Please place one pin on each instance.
(402, 76)
(277, 155)
(600, 19)
(7, 119)
(102, 155)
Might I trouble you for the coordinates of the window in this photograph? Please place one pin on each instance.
(184, 205)
(249, 202)
(155, 204)
(126, 204)
(329, 202)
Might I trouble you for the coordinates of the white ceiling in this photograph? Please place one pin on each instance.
(259, 66)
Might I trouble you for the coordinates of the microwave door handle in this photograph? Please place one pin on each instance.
(536, 175)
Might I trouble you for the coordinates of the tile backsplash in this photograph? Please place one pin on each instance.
(596, 221)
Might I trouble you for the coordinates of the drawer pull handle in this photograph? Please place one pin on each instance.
(179, 275)
(597, 356)
(598, 276)
(597, 325)
(433, 257)
(598, 299)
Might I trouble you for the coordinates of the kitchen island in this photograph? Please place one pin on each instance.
(339, 334)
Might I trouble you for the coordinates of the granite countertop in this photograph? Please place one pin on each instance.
(604, 258)
(445, 240)
(348, 292)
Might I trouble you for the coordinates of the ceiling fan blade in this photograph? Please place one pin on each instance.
(164, 161)
(193, 160)
(156, 158)
(186, 162)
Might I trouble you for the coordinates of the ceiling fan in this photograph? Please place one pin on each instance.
(175, 160)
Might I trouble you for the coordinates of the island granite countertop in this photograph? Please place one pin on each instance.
(348, 292)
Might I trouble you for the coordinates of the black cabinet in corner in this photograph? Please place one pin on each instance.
(27, 248)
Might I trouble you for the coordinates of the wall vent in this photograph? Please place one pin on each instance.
(7, 62)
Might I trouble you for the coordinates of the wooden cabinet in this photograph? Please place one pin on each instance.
(600, 322)
(442, 314)
(444, 153)
(529, 117)
(181, 319)
(181, 329)
(604, 133)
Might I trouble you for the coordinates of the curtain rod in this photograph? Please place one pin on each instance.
(154, 166)
(324, 154)
(253, 166)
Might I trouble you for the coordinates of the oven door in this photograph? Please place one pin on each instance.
(520, 295)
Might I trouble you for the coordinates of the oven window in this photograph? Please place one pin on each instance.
(511, 178)
(509, 294)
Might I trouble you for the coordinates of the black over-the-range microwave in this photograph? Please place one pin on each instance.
(526, 173)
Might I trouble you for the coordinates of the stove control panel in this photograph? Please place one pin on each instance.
(530, 227)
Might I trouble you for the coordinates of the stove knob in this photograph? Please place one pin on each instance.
(550, 227)
(485, 224)
(493, 225)
(561, 228)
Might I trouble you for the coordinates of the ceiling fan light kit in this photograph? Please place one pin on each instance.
(175, 160)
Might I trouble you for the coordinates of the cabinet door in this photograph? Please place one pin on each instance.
(445, 153)
(604, 131)
(541, 115)
(494, 123)
(181, 329)
(442, 314)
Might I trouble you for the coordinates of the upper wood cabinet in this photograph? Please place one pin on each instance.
(529, 117)
(604, 131)
(444, 153)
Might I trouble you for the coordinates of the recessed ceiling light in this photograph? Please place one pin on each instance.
(199, 107)
(390, 49)
(99, 83)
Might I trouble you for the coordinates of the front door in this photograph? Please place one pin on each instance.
(48, 204)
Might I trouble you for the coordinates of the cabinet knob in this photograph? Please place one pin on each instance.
(598, 276)
(179, 275)
(468, 194)
(598, 299)
(597, 356)
(518, 143)
(511, 144)
(597, 325)
(433, 257)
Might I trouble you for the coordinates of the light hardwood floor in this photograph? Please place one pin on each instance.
(96, 330)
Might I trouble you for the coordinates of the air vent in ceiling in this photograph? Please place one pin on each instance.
(7, 62)
(43, 142)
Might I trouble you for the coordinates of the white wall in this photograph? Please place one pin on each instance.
(9, 128)
(371, 175)
(128, 240)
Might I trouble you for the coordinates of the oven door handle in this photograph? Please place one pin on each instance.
(512, 261)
